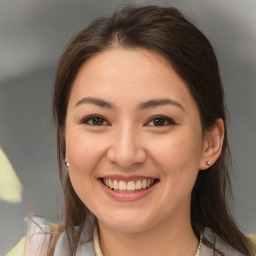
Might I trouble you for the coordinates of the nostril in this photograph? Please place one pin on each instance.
(126, 156)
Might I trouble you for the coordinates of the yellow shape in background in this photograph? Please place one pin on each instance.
(19, 249)
(10, 186)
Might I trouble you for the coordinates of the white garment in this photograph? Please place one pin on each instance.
(37, 239)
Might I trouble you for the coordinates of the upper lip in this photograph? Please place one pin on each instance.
(127, 178)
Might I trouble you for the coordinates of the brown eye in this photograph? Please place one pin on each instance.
(161, 121)
(95, 120)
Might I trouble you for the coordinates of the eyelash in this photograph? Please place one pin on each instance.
(93, 118)
(167, 121)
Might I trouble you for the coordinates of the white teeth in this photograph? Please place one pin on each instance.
(115, 184)
(138, 184)
(128, 186)
(144, 184)
(110, 183)
(131, 185)
(122, 185)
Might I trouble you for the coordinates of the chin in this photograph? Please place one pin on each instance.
(129, 223)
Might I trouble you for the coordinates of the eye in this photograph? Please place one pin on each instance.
(95, 120)
(160, 121)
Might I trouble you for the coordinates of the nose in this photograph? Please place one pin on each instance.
(126, 149)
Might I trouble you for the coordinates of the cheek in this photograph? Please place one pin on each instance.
(84, 151)
(179, 162)
(178, 151)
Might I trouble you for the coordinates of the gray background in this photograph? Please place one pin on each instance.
(33, 35)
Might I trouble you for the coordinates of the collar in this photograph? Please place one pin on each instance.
(92, 247)
(97, 248)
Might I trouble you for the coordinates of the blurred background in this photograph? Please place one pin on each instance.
(33, 34)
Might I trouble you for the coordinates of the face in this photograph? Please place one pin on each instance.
(133, 140)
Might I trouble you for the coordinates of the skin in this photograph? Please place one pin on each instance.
(128, 142)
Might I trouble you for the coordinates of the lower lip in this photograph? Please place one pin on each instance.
(127, 197)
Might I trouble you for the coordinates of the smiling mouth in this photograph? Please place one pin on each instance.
(130, 186)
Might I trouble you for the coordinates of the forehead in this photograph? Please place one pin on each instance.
(127, 75)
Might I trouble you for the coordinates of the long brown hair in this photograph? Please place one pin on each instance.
(167, 32)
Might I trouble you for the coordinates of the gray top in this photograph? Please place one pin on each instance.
(87, 248)
(36, 237)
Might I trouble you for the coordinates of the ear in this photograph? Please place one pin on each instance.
(213, 141)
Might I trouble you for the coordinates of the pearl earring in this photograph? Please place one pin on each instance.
(67, 164)
(208, 163)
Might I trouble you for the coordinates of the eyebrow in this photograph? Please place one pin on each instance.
(148, 104)
(95, 101)
(159, 102)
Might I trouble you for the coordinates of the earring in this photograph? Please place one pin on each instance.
(67, 164)
(208, 163)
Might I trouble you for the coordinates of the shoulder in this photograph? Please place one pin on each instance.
(38, 237)
(85, 245)
(46, 238)
(219, 245)
(41, 237)
(35, 242)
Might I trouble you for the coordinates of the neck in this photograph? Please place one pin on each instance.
(170, 239)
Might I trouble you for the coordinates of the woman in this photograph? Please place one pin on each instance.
(141, 125)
